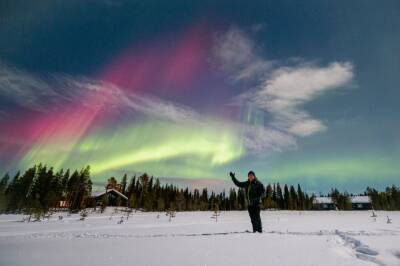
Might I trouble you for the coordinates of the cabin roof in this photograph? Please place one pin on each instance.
(360, 199)
(322, 200)
(98, 194)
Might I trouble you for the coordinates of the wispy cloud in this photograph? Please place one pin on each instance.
(280, 91)
(46, 95)
(259, 139)
(289, 88)
(238, 54)
(162, 109)
(22, 88)
(35, 93)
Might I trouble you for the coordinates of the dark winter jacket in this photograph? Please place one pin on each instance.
(254, 190)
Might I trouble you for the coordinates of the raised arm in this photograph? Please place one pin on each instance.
(236, 182)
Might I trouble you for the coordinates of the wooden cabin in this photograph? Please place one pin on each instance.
(323, 203)
(63, 204)
(361, 203)
(114, 198)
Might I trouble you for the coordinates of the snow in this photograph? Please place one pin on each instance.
(360, 199)
(100, 193)
(354, 199)
(193, 238)
(325, 200)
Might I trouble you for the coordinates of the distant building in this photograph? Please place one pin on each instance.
(114, 198)
(357, 203)
(63, 204)
(323, 203)
(361, 203)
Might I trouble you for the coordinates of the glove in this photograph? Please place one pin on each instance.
(232, 174)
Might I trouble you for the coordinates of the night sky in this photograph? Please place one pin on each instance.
(298, 91)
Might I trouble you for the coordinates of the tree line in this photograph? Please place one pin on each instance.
(41, 188)
(385, 200)
(147, 193)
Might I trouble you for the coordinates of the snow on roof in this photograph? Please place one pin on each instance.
(119, 193)
(322, 200)
(360, 199)
(98, 194)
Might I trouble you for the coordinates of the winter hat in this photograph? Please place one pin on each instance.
(251, 172)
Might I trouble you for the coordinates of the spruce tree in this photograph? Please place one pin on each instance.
(293, 198)
(279, 196)
(123, 184)
(300, 194)
(3, 197)
(287, 199)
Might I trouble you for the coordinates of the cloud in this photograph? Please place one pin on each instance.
(280, 91)
(165, 110)
(306, 127)
(22, 88)
(237, 53)
(285, 92)
(47, 95)
(40, 94)
(259, 139)
(297, 85)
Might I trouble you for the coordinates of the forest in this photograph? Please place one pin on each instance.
(40, 189)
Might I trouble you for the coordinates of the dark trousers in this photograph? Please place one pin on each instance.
(254, 212)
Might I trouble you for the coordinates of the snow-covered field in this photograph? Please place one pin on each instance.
(193, 238)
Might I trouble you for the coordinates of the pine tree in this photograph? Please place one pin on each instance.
(204, 200)
(269, 197)
(131, 187)
(79, 188)
(233, 203)
(241, 199)
(287, 200)
(300, 194)
(180, 201)
(279, 196)
(3, 197)
(293, 198)
(123, 184)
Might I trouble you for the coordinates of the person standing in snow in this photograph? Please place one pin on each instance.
(254, 190)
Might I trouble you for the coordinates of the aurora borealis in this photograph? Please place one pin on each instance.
(298, 92)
